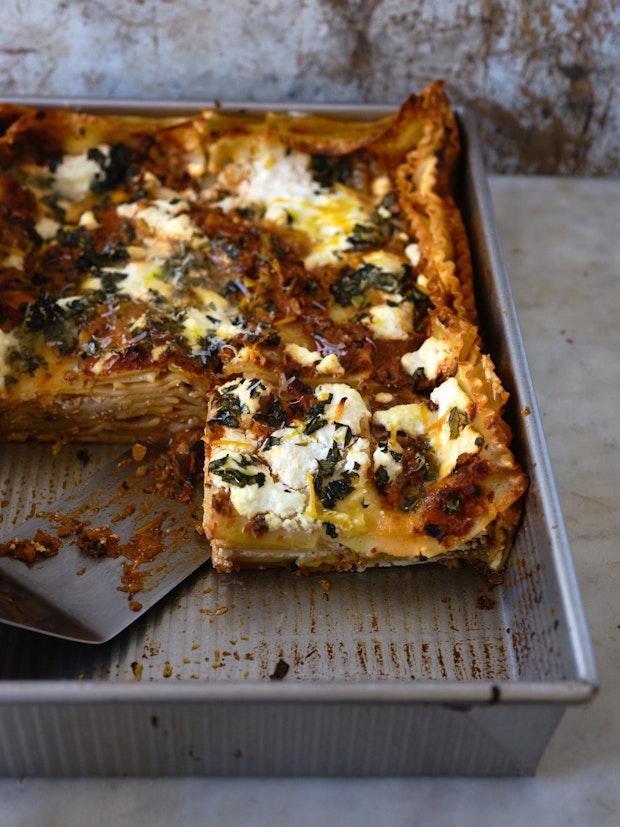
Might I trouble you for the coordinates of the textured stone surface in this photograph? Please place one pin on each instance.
(543, 76)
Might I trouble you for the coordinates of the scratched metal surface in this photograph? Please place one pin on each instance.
(542, 76)
(423, 622)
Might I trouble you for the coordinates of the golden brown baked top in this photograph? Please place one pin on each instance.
(291, 269)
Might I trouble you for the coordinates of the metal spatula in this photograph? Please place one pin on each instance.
(76, 596)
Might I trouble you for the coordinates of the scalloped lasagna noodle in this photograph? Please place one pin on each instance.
(295, 290)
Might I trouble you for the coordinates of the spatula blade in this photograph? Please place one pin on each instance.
(76, 596)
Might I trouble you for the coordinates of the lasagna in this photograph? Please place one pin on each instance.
(295, 291)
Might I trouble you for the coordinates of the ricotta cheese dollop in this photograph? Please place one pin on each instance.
(278, 179)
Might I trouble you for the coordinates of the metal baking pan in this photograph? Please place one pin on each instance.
(401, 672)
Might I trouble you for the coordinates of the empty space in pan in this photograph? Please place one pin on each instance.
(423, 622)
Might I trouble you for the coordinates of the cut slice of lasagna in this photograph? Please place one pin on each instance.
(285, 472)
(301, 284)
(328, 478)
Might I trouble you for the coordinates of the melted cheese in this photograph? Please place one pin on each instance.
(141, 279)
(74, 175)
(165, 218)
(417, 420)
(449, 450)
(328, 220)
(67, 301)
(388, 262)
(297, 454)
(412, 251)
(8, 342)
(88, 220)
(272, 497)
(447, 396)
(357, 457)
(302, 355)
(46, 227)
(389, 322)
(249, 500)
(14, 260)
(209, 298)
(212, 321)
(248, 391)
(381, 186)
(346, 405)
(412, 419)
(450, 395)
(330, 366)
(268, 174)
(290, 460)
(382, 458)
(91, 283)
(429, 357)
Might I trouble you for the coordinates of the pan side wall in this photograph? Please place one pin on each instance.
(229, 739)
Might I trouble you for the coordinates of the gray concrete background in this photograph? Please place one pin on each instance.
(542, 75)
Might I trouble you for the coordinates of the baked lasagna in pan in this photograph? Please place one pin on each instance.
(294, 290)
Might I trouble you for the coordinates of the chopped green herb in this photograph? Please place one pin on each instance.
(382, 478)
(328, 170)
(47, 317)
(433, 530)
(229, 411)
(337, 490)
(210, 346)
(410, 504)
(457, 420)
(271, 441)
(365, 237)
(255, 388)
(453, 422)
(241, 480)
(315, 420)
(116, 168)
(348, 436)
(354, 283)
(451, 504)
(236, 477)
(314, 424)
(272, 340)
(327, 466)
(218, 463)
(274, 416)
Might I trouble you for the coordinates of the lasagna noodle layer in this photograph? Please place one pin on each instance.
(487, 551)
(144, 406)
